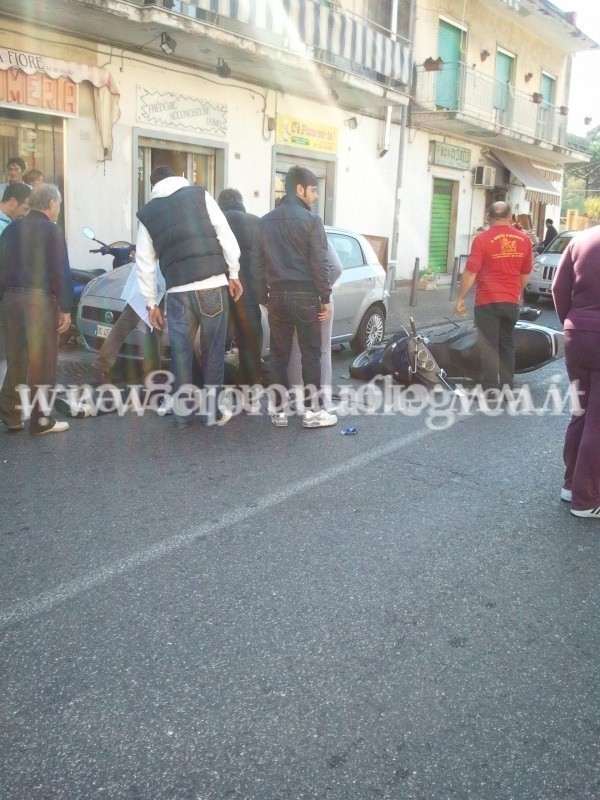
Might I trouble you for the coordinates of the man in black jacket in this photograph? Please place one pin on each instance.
(551, 233)
(290, 256)
(37, 294)
(245, 314)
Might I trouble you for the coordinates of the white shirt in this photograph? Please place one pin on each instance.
(147, 262)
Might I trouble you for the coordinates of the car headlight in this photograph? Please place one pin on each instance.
(537, 267)
(88, 286)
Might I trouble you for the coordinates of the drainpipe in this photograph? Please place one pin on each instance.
(385, 146)
(402, 145)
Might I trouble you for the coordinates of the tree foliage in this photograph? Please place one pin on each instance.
(589, 172)
(592, 206)
(573, 195)
(582, 181)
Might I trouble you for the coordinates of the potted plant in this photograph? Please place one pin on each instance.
(564, 111)
(427, 281)
(537, 97)
(433, 64)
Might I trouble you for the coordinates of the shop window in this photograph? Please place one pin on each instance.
(37, 139)
(197, 164)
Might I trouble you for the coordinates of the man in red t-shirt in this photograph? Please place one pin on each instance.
(499, 263)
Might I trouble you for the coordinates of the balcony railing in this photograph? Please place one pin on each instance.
(307, 27)
(491, 103)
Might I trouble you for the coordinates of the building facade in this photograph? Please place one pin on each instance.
(413, 116)
(227, 92)
(488, 121)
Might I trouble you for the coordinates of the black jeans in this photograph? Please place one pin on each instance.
(496, 344)
(247, 328)
(288, 312)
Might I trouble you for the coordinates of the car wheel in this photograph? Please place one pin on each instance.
(368, 364)
(531, 297)
(370, 331)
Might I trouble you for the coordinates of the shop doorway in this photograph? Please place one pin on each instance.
(325, 172)
(202, 166)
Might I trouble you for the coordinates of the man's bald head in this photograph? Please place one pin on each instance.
(499, 211)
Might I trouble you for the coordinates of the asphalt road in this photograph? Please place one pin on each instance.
(258, 613)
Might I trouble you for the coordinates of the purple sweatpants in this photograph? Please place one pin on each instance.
(582, 440)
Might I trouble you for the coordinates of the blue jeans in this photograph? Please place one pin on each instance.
(495, 324)
(186, 312)
(288, 312)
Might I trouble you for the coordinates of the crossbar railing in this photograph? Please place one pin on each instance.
(458, 87)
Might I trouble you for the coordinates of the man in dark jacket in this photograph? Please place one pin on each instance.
(37, 294)
(290, 256)
(551, 233)
(245, 314)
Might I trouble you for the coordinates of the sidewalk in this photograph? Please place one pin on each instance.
(432, 306)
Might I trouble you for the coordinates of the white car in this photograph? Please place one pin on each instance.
(544, 267)
(360, 299)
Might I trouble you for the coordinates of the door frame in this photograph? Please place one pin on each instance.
(221, 150)
(304, 158)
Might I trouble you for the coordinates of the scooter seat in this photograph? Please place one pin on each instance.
(86, 275)
(465, 342)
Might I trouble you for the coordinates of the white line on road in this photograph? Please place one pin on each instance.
(44, 601)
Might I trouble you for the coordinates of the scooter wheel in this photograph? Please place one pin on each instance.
(367, 365)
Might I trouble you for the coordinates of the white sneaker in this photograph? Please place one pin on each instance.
(225, 415)
(165, 405)
(590, 513)
(566, 495)
(279, 419)
(74, 409)
(319, 419)
(58, 427)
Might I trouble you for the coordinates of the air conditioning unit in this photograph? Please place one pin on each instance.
(485, 176)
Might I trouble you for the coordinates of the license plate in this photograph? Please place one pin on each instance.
(103, 330)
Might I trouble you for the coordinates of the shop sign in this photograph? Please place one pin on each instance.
(448, 155)
(38, 92)
(310, 135)
(172, 110)
(32, 63)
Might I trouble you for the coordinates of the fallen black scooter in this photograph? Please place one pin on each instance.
(453, 348)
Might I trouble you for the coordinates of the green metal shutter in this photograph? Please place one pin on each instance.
(504, 73)
(547, 90)
(449, 50)
(439, 232)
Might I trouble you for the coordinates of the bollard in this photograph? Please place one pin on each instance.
(454, 282)
(415, 285)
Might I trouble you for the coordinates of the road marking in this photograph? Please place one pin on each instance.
(44, 601)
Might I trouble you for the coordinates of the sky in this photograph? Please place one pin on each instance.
(584, 99)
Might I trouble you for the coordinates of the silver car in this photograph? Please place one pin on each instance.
(544, 267)
(360, 299)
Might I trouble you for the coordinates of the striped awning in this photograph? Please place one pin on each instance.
(307, 27)
(537, 188)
